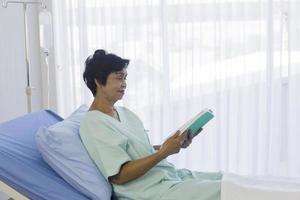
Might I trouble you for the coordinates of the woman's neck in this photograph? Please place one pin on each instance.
(102, 105)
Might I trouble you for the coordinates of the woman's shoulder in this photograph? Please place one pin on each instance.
(96, 125)
(95, 122)
(92, 117)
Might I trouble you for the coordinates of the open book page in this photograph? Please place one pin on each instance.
(197, 121)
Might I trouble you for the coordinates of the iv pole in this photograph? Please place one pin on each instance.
(25, 3)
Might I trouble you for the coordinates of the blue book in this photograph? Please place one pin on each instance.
(197, 122)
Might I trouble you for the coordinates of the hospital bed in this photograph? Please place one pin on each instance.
(23, 169)
(21, 165)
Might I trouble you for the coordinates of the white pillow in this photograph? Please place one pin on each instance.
(61, 147)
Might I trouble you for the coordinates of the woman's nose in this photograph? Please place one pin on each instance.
(124, 84)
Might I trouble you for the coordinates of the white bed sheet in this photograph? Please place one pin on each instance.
(235, 187)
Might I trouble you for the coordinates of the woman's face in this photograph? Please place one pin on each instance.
(115, 86)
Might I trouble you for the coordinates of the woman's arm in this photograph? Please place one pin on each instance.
(137, 168)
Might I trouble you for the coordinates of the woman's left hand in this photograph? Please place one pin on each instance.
(189, 139)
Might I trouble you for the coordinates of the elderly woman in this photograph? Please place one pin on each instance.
(118, 144)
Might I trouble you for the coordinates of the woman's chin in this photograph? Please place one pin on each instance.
(120, 96)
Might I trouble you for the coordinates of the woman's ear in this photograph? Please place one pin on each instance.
(97, 83)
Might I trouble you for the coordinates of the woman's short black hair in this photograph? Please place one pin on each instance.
(99, 65)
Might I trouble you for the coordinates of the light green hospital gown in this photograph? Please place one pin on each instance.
(111, 143)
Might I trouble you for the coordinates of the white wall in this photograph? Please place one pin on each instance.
(13, 101)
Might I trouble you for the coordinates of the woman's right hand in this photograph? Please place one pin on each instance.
(173, 144)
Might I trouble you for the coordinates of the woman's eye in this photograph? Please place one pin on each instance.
(121, 78)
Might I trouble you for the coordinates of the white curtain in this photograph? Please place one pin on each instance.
(238, 58)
